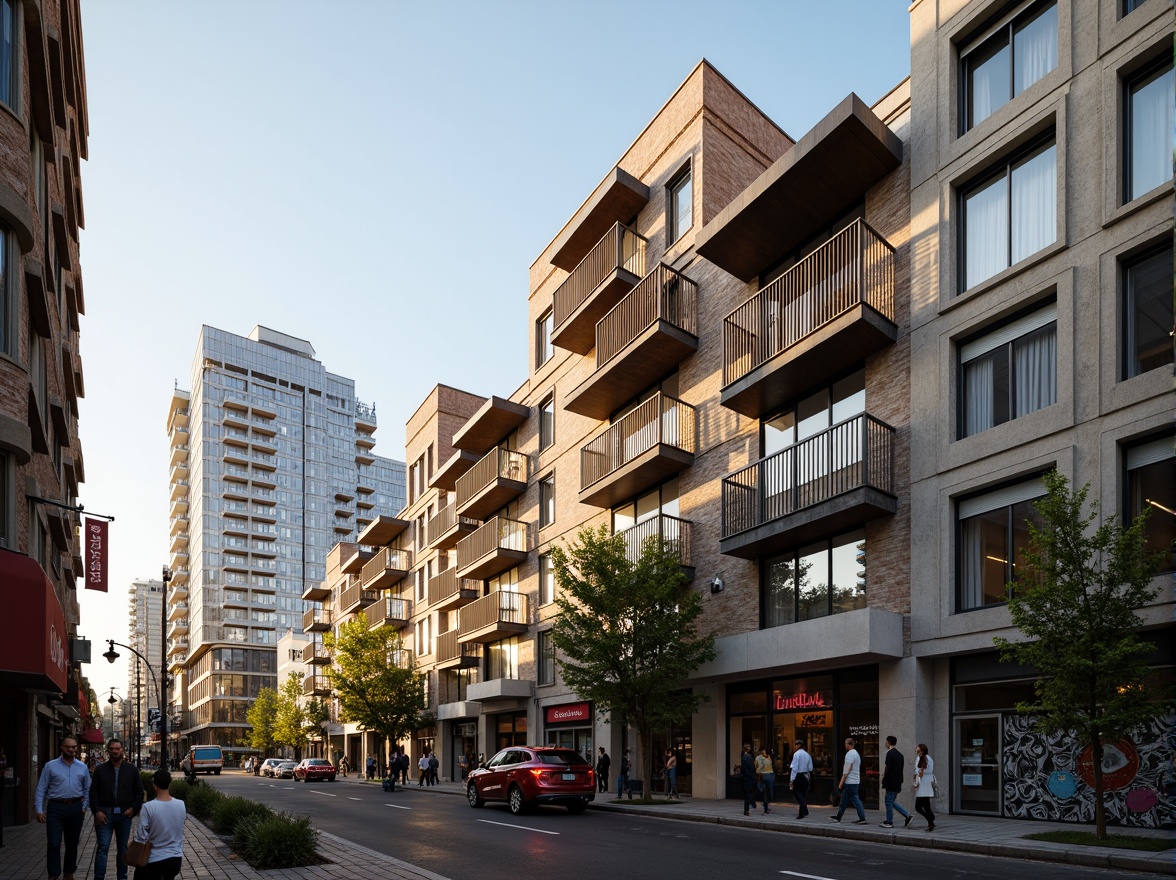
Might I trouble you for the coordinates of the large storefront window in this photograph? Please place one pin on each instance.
(569, 726)
(510, 729)
(821, 710)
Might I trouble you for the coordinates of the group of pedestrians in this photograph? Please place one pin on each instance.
(114, 794)
(428, 765)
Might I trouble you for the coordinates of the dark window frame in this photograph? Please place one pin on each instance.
(1131, 508)
(682, 176)
(547, 422)
(959, 606)
(545, 658)
(793, 555)
(544, 328)
(1127, 361)
(1143, 76)
(546, 500)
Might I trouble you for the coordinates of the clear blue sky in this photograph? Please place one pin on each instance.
(360, 174)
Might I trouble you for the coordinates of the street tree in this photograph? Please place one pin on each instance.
(290, 718)
(626, 630)
(375, 681)
(1076, 600)
(262, 716)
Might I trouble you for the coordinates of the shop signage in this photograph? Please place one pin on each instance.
(976, 779)
(35, 654)
(802, 700)
(96, 551)
(569, 712)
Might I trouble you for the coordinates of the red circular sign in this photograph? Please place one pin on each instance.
(1120, 763)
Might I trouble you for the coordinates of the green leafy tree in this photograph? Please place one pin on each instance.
(1076, 600)
(627, 631)
(290, 717)
(262, 717)
(374, 680)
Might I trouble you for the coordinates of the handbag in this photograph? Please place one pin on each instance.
(138, 853)
(934, 785)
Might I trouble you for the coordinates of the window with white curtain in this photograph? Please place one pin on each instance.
(993, 534)
(1010, 214)
(1151, 486)
(502, 659)
(1008, 56)
(1009, 372)
(1147, 311)
(1151, 95)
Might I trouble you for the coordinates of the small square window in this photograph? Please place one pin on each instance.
(679, 206)
(543, 347)
(546, 422)
(1150, 140)
(1147, 312)
(547, 500)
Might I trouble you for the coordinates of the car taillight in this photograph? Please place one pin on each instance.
(537, 772)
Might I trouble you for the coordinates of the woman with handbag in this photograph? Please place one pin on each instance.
(924, 785)
(158, 848)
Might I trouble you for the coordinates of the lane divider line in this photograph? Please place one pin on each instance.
(520, 827)
(397, 806)
(807, 876)
(324, 793)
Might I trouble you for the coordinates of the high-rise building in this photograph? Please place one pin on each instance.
(145, 635)
(272, 463)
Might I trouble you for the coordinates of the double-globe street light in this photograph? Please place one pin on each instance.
(111, 655)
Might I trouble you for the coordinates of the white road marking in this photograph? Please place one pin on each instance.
(809, 876)
(324, 793)
(352, 799)
(397, 806)
(520, 827)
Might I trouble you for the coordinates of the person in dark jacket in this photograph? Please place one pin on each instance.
(116, 797)
(892, 783)
(603, 762)
(747, 778)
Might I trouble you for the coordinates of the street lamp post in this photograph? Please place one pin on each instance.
(111, 655)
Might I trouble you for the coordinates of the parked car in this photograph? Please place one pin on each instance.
(524, 776)
(285, 770)
(315, 768)
(269, 765)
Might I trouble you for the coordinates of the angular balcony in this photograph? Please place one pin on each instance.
(674, 531)
(178, 524)
(453, 654)
(315, 653)
(178, 628)
(386, 611)
(316, 592)
(498, 478)
(492, 549)
(179, 541)
(389, 566)
(176, 610)
(447, 591)
(501, 690)
(642, 338)
(316, 620)
(356, 597)
(177, 646)
(493, 617)
(179, 453)
(381, 532)
(837, 480)
(177, 593)
(316, 686)
(179, 489)
(822, 316)
(650, 443)
(447, 528)
(493, 420)
(602, 277)
(458, 463)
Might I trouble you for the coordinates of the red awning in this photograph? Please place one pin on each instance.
(34, 654)
(93, 735)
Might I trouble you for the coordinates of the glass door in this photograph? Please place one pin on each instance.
(979, 786)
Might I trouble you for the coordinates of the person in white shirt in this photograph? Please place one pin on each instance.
(161, 823)
(851, 780)
(801, 777)
(924, 784)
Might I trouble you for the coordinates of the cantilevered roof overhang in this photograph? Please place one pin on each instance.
(824, 174)
(616, 200)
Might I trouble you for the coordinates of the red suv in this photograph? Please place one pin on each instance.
(315, 768)
(524, 776)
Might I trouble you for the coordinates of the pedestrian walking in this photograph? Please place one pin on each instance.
(344, 766)
(434, 764)
(623, 777)
(371, 767)
(892, 770)
(765, 770)
(405, 763)
(423, 767)
(116, 797)
(800, 777)
(671, 774)
(162, 825)
(924, 784)
(61, 801)
(747, 778)
(851, 780)
(603, 762)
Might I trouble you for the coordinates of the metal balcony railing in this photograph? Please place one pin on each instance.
(444, 586)
(498, 533)
(674, 531)
(500, 462)
(446, 520)
(448, 648)
(386, 559)
(315, 616)
(661, 419)
(499, 607)
(621, 248)
(663, 294)
(385, 609)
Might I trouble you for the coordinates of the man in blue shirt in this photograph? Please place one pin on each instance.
(61, 802)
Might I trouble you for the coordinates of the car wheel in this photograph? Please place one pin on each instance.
(330, 779)
(515, 798)
(578, 807)
(216, 772)
(472, 795)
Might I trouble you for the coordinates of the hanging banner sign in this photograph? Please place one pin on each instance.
(94, 538)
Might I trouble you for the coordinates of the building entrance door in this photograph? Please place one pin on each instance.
(979, 785)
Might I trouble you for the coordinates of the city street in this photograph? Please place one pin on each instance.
(441, 833)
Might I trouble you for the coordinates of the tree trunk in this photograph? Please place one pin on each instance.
(1100, 813)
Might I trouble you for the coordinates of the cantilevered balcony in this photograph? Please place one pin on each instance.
(316, 620)
(315, 653)
(833, 481)
(650, 443)
(453, 654)
(492, 549)
(642, 338)
(356, 597)
(316, 592)
(602, 277)
(675, 532)
(176, 610)
(178, 627)
(493, 617)
(386, 611)
(447, 528)
(486, 428)
(316, 686)
(380, 532)
(390, 565)
(825, 314)
(498, 478)
(448, 591)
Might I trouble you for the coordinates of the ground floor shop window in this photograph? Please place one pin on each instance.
(510, 729)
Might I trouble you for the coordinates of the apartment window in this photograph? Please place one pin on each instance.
(5, 488)
(547, 422)
(1010, 214)
(7, 299)
(547, 500)
(1147, 312)
(1150, 140)
(993, 534)
(543, 347)
(9, 80)
(546, 580)
(812, 415)
(502, 659)
(1010, 57)
(819, 579)
(546, 658)
(1151, 486)
(679, 205)
(1009, 372)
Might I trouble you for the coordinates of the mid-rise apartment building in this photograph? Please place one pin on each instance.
(832, 370)
(272, 463)
(145, 629)
(44, 124)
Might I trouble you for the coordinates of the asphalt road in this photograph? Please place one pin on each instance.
(444, 834)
